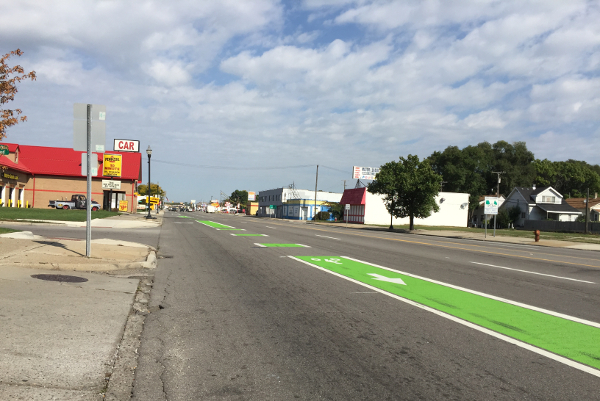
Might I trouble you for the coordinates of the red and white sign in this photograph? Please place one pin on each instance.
(126, 145)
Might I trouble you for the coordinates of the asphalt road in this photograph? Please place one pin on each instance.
(232, 320)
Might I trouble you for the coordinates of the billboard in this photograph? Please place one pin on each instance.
(364, 173)
(251, 196)
(126, 145)
(112, 165)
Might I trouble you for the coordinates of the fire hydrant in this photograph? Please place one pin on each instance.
(537, 235)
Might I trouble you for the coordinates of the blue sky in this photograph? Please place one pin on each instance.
(253, 95)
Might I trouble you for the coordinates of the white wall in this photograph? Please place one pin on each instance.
(454, 211)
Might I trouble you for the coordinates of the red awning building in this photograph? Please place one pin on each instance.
(356, 199)
(34, 175)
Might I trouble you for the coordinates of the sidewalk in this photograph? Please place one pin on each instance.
(64, 318)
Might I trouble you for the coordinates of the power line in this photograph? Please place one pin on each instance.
(331, 168)
(230, 167)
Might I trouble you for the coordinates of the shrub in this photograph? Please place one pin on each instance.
(323, 216)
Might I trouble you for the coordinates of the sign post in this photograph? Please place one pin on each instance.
(346, 211)
(490, 207)
(85, 137)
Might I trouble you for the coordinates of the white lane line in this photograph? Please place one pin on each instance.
(258, 235)
(539, 351)
(229, 229)
(539, 274)
(270, 227)
(324, 236)
(260, 245)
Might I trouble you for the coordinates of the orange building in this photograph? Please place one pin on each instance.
(33, 175)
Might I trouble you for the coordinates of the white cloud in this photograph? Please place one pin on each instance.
(350, 82)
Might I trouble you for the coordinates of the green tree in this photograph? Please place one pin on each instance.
(466, 170)
(156, 190)
(9, 77)
(240, 197)
(409, 188)
(337, 210)
(572, 178)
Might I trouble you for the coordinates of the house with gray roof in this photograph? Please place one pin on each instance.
(544, 203)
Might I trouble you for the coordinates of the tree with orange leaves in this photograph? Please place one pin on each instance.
(9, 77)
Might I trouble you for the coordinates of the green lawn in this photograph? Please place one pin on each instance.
(9, 213)
(7, 230)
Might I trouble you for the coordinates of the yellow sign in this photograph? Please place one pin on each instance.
(123, 206)
(10, 176)
(112, 165)
(154, 200)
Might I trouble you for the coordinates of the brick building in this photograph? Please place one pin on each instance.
(33, 175)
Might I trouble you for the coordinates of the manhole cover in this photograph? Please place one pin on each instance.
(60, 277)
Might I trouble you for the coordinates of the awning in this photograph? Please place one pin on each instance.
(354, 196)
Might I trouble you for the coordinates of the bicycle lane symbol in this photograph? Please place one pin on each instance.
(335, 261)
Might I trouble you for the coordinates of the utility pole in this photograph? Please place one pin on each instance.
(587, 212)
(316, 183)
(497, 195)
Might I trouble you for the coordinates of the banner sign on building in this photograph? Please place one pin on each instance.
(10, 176)
(112, 165)
(490, 206)
(251, 196)
(111, 184)
(123, 206)
(126, 145)
(364, 173)
(4, 150)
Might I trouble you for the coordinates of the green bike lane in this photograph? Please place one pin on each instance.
(569, 340)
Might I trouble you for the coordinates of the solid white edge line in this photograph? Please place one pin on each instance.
(261, 245)
(539, 274)
(529, 347)
(264, 235)
(483, 294)
(226, 229)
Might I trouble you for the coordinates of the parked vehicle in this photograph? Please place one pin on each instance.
(77, 201)
(211, 209)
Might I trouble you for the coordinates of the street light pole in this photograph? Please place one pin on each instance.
(149, 153)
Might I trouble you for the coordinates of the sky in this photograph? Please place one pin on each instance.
(253, 95)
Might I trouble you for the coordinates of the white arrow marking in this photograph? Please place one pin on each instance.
(379, 277)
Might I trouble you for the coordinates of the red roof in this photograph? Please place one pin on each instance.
(67, 162)
(354, 196)
(5, 161)
(12, 147)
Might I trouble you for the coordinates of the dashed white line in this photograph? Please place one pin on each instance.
(539, 274)
(324, 236)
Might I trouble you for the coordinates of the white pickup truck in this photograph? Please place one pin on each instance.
(77, 201)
